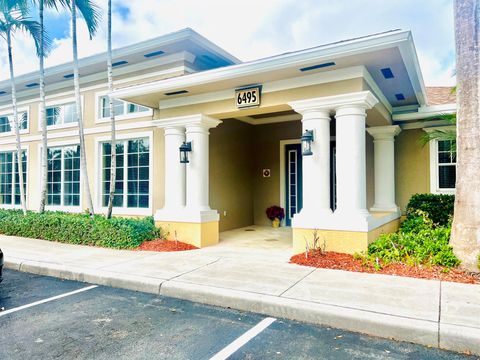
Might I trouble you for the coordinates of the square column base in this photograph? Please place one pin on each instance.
(197, 228)
(196, 234)
(342, 241)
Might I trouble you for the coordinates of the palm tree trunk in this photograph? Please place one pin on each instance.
(16, 126)
(113, 158)
(78, 102)
(466, 224)
(43, 193)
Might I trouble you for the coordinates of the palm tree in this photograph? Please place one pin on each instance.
(465, 237)
(41, 56)
(14, 17)
(113, 147)
(91, 14)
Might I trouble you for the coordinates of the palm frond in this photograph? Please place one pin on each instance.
(34, 29)
(13, 19)
(91, 13)
(7, 6)
(444, 134)
(54, 4)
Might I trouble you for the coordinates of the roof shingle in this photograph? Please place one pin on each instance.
(440, 95)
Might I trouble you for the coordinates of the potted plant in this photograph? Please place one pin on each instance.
(275, 214)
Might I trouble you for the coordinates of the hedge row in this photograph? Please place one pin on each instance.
(439, 208)
(119, 233)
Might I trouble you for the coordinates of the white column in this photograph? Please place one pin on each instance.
(316, 167)
(197, 132)
(174, 170)
(351, 158)
(186, 185)
(384, 162)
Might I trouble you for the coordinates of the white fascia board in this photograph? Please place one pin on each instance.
(424, 124)
(182, 121)
(203, 41)
(184, 34)
(271, 86)
(426, 112)
(290, 83)
(184, 56)
(104, 86)
(430, 129)
(101, 57)
(362, 98)
(293, 59)
(410, 59)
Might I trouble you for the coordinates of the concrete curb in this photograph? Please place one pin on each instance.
(98, 277)
(420, 331)
(382, 325)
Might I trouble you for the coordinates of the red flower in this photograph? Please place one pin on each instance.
(275, 212)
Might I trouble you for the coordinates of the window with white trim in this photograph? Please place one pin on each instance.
(120, 107)
(132, 185)
(63, 181)
(9, 178)
(446, 163)
(7, 122)
(61, 114)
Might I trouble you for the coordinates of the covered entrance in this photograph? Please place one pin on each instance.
(345, 190)
(256, 163)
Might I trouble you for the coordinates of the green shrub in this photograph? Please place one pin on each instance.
(119, 233)
(439, 208)
(418, 242)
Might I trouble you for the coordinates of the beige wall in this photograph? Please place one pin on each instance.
(412, 166)
(267, 150)
(231, 183)
(69, 135)
(271, 102)
(239, 152)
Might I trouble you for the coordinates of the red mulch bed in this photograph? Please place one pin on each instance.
(165, 246)
(334, 260)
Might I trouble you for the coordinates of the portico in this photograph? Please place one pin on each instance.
(346, 226)
(343, 190)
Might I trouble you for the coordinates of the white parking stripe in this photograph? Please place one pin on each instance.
(9, 311)
(242, 340)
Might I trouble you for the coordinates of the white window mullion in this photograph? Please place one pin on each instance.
(62, 176)
(14, 183)
(125, 174)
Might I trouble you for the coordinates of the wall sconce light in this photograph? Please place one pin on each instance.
(185, 148)
(307, 139)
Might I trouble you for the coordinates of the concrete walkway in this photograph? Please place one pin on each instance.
(428, 312)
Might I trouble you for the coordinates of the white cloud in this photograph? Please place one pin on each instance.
(251, 29)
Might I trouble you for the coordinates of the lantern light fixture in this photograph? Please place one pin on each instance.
(307, 139)
(185, 148)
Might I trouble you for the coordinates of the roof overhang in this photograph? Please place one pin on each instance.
(425, 113)
(394, 50)
(185, 46)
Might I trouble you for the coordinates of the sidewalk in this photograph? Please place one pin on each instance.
(428, 312)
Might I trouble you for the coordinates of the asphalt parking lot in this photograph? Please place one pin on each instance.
(47, 318)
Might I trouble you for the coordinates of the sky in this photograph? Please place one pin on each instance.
(253, 29)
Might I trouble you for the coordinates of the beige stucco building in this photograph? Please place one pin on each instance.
(362, 102)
